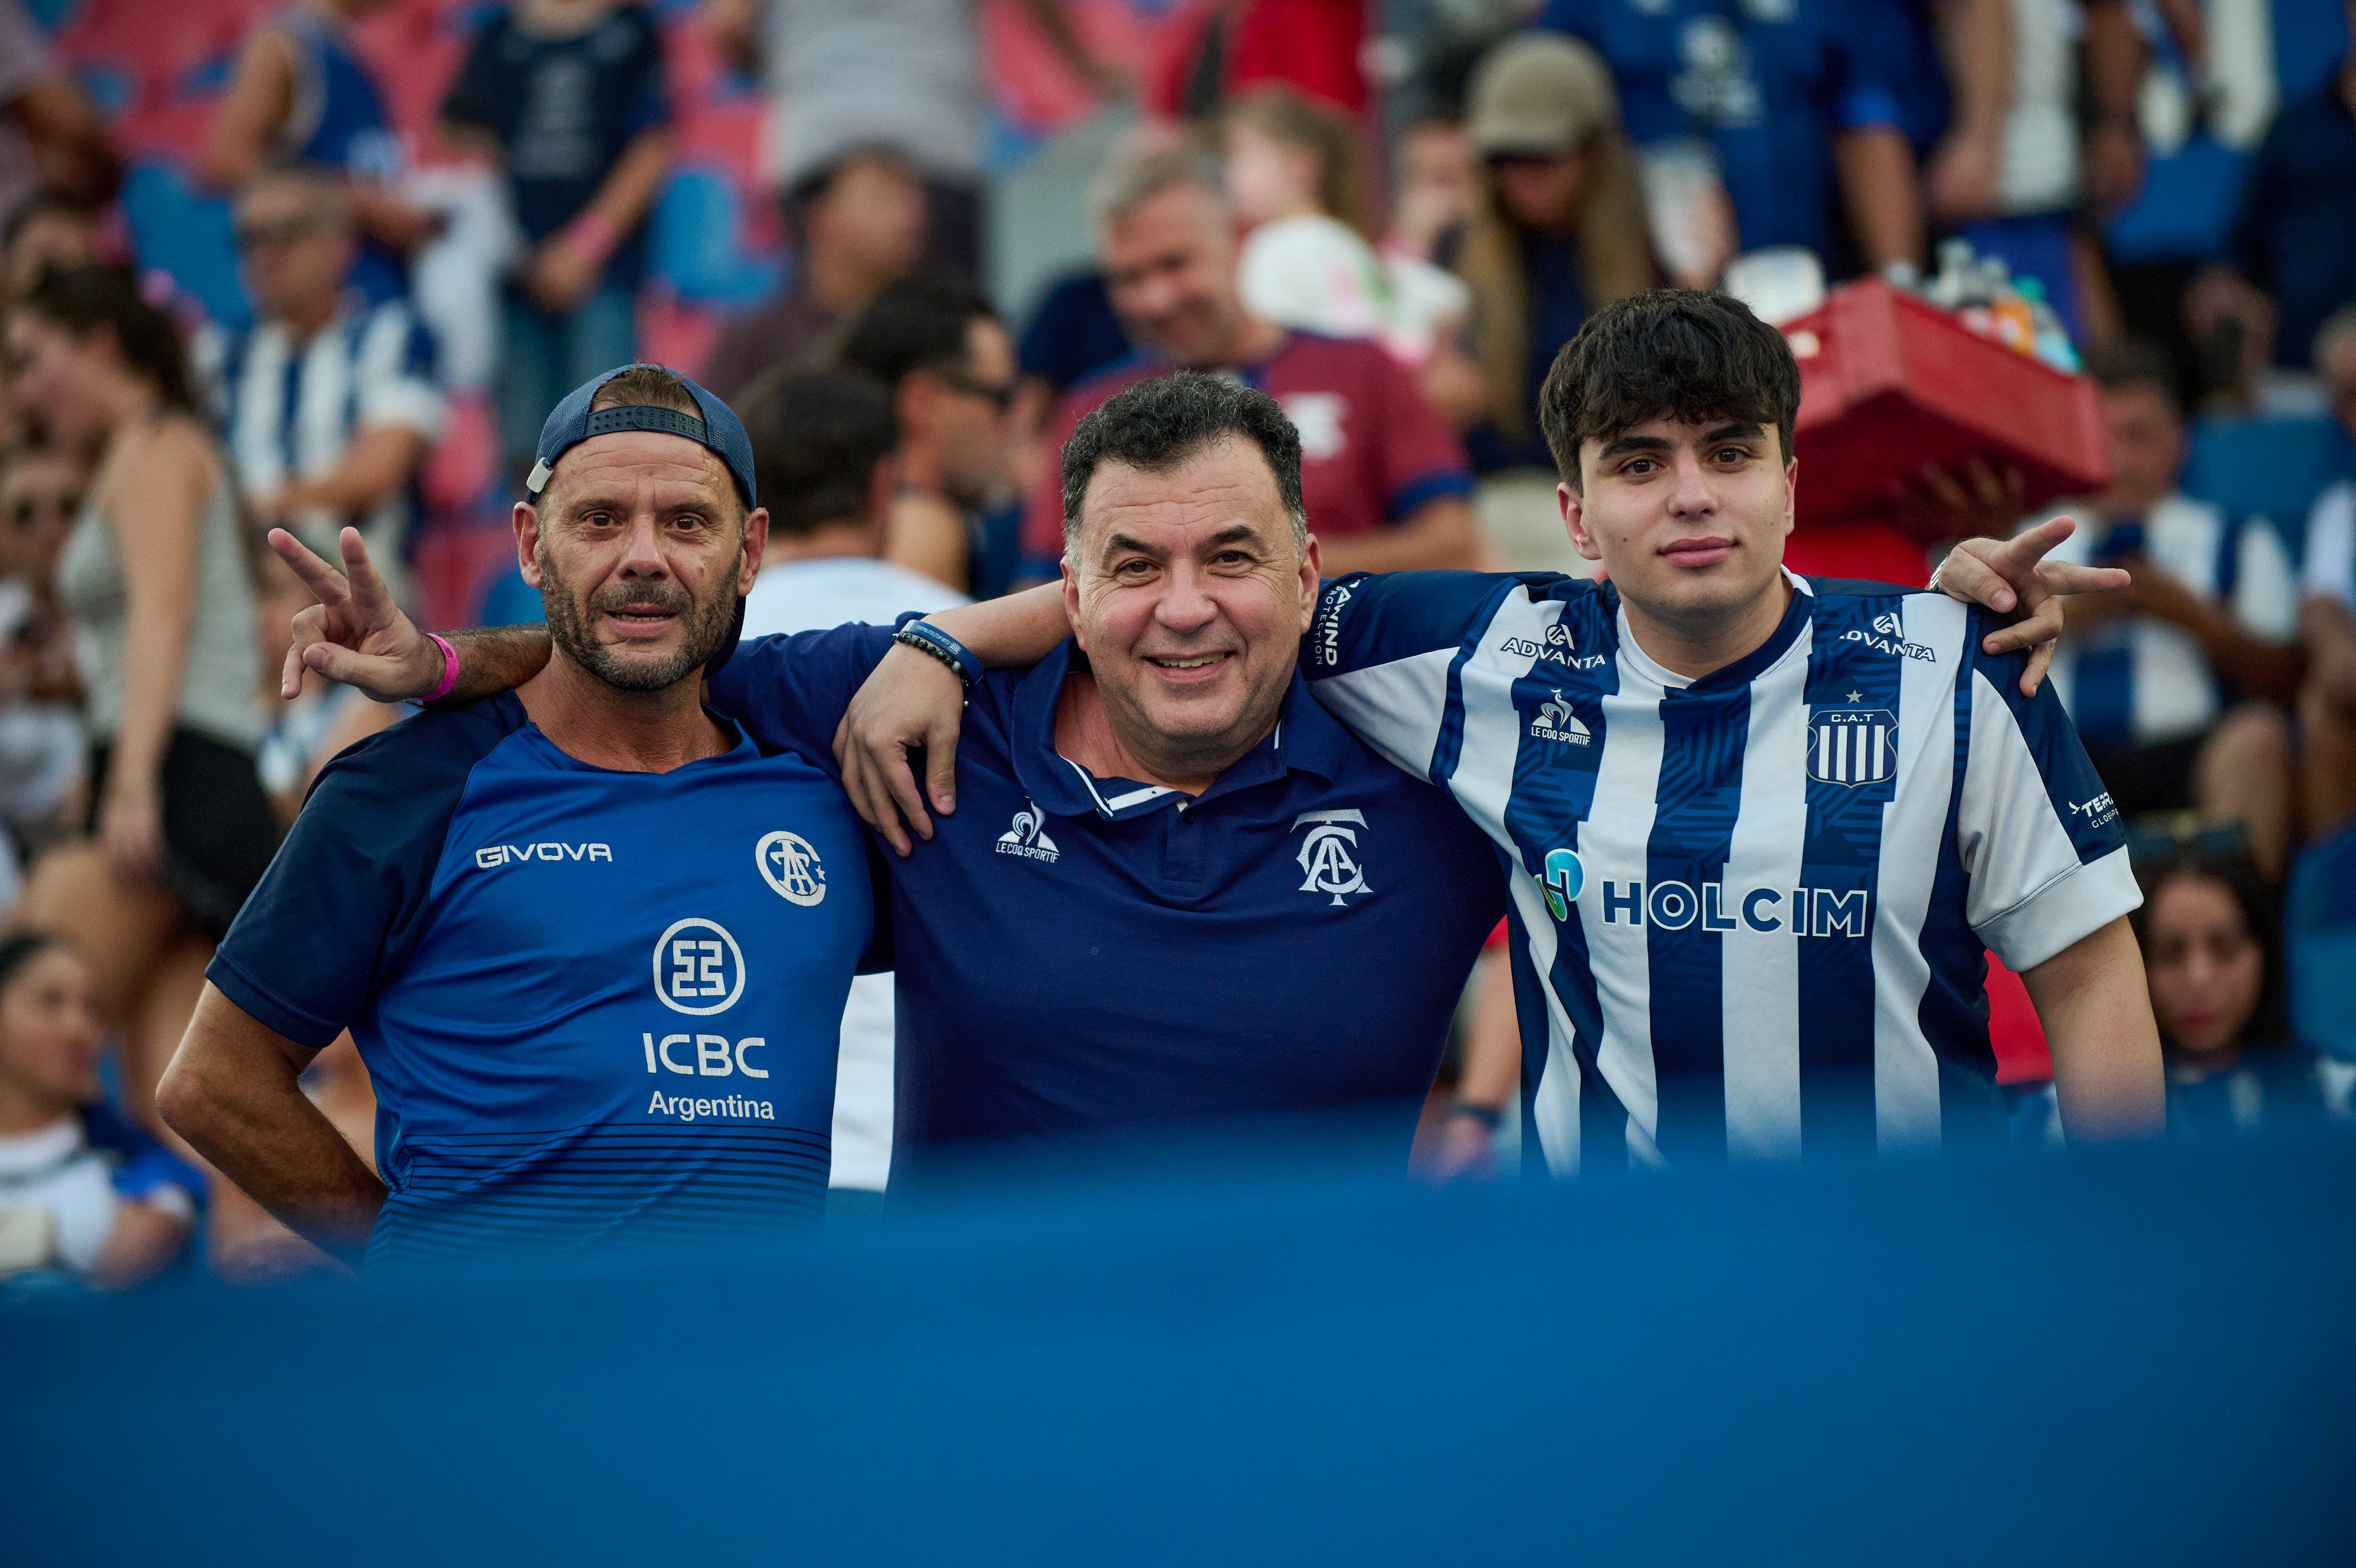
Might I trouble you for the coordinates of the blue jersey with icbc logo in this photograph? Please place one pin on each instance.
(596, 1006)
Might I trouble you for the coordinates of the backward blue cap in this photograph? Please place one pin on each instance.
(719, 431)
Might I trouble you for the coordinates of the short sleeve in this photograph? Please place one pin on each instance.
(1382, 651)
(1421, 459)
(789, 692)
(1868, 45)
(472, 98)
(2331, 545)
(334, 918)
(395, 374)
(2036, 830)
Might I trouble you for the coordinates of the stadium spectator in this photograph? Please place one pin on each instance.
(938, 346)
(2292, 258)
(46, 231)
(154, 577)
(1293, 177)
(78, 1190)
(1781, 109)
(1220, 49)
(1559, 231)
(858, 224)
(2327, 619)
(41, 746)
(2045, 167)
(2178, 684)
(301, 93)
(329, 400)
(820, 444)
(895, 73)
(2213, 949)
(566, 97)
(1439, 188)
(643, 529)
(51, 138)
(1385, 479)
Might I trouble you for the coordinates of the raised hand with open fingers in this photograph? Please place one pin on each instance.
(355, 634)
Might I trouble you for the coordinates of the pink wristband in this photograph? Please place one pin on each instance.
(449, 680)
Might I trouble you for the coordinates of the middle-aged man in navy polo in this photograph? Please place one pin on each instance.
(1174, 887)
(1172, 893)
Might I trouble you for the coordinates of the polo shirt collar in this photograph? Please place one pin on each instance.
(1306, 738)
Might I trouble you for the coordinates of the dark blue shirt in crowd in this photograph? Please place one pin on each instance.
(598, 1007)
(1768, 83)
(564, 111)
(2272, 1087)
(1077, 954)
(1558, 308)
(1073, 333)
(337, 121)
(2297, 237)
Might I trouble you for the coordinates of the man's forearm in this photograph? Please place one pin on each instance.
(377, 463)
(495, 659)
(2092, 1001)
(1010, 633)
(233, 1091)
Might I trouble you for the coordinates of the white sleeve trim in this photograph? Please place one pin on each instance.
(2070, 907)
(407, 402)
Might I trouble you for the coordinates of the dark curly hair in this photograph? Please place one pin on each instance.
(1157, 424)
(1690, 355)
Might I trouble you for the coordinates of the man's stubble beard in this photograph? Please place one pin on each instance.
(707, 627)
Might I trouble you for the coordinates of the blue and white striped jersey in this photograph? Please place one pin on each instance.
(290, 408)
(1753, 908)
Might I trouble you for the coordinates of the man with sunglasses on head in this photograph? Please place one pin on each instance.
(949, 364)
(328, 402)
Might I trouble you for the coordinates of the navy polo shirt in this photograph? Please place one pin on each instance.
(1077, 954)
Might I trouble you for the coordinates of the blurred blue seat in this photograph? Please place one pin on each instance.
(2320, 945)
(692, 242)
(2274, 467)
(187, 235)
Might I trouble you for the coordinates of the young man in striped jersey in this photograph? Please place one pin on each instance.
(1766, 826)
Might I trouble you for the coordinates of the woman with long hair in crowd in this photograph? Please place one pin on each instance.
(80, 1191)
(2212, 957)
(157, 580)
(1561, 232)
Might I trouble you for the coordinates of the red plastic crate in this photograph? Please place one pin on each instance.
(1888, 383)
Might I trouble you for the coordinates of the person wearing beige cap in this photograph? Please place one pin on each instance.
(1561, 231)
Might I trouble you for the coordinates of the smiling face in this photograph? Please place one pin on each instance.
(639, 555)
(1689, 519)
(1170, 272)
(2205, 966)
(49, 1032)
(1189, 595)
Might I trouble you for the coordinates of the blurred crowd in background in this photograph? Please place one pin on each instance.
(331, 263)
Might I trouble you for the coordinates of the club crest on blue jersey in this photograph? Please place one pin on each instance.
(1329, 856)
(1852, 745)
(1564, 876)
(791, 869)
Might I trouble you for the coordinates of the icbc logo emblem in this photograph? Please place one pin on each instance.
(699, 969)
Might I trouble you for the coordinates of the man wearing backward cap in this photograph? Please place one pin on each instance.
(593, 941)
